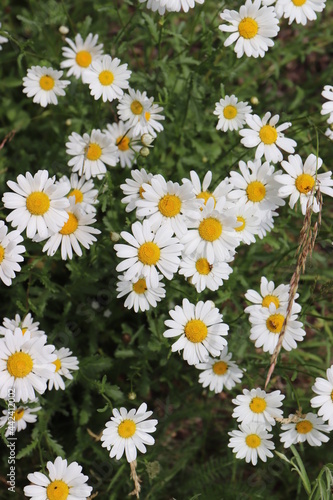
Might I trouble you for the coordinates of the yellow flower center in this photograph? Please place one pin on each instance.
(106, 77)
(203, 266)
(123, 143)
(230, 112)
(242, 220)
(304, 427)
(220, 368)
(19, 364)
(38, 203)
(140, 286)
(269, 299)
(205, 195)
(304, 183)
(83, 58)
(141, 191)
(196, 330)
(126, 429)
(18, 414)
(248, 27)
(258, 405)
(57, 364)
(268, 134)
(46, 82)
(57, 490)
(93, 151)
(70, 226)
(136, 108)
(210, 229)
(298, 3)
(274, 323)
(253, 440)
(78, 195)
(256, 191)
(147, 116)
(149, 253)
(170, 205)
(2, 253)
(24, 330)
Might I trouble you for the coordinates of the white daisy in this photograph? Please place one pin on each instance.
(257, 406)
(80, 54)
(90, 153)
(132, 109)
(302, 181)
(62, 482)
(231, 113)
(201, 189)
(251, 441)
(329, 133)
(200, 329)
(107, 78)
(300, 11)
(153, 118)
(128, 431)
(10, 254)
(65, 363)
(83, 190)
(327, 107)
(25, 365)
(220, 372)
(248, 222)
(3, 39)
(133, 188)
(324, 401)
(171, 5)
(266, 137)
(269, 294)
(122, 137)
(253, 27)
(44, 85)
(17, 420)
(204, 274)
(310, 428)
(148, 251)
(25, 324)
(140, 296)
(266, 222)
(38, 204)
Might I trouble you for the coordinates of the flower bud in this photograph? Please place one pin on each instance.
(63, 30)
(147, 139)
(254, 100)
(144, 151)
(114, 237)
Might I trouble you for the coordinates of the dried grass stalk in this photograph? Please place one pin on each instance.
(136, 480)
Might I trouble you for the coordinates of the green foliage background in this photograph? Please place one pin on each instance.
(124, 359)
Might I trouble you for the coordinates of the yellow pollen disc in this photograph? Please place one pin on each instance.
(170, 205)
(126, 429)
(269, 299)
(2, 253)
(78, 195)
(253, 440)
(274, 323)
(93, 151)
(240, 228)
(123, 143)
(24, 330)
(136, 108)
(149, 253)
(230, 112)
(256, 191)
(304, 427)
(205, 195)
(304, 183)
(83, 58)
(38, 203)
(248, 28)
(147, 116)
(196, 330)
(298, 3)
(210, 229)
(140, 286)
(220, 368)
(268, 134)
(19, 364)
(258, 405)
(70, 226)
(203, 266)
(106, 77)
(141, 191)
(57, 364)
(18, 414)
(46, 82)
(57, 490)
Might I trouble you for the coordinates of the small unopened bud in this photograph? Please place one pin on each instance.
(63, 30)
(68, 122)
(144, 151)
(147, 139)
(131, 395)
(204, 159)
(114, 237)
(254, 100)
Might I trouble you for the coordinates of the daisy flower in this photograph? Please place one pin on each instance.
(200, 329)
(122, 137)
(140, 296)
(302, 181)
(220, 373)
(62, 481)
(171, 5)
(203, 274)
(248, 222)
(132, 109)
(328, 106)
(44, 85)
(231, 113)
(133, 188)
(10, 254)
(252, 28)
(300, 11)
(17, 420)
(257, 406)
(310, 428)
(148, 251)
(251, 441)
(266, 137)
(65, 363)
(107, 78)
(128, 431)
(201, 189)
(324, 401)
(27, 323)
(153, 118)
(90, 153)
(329, 133)
(80, 54)
(83, 190)
(2, 39)
(25, 365)
(266, 222)
(168, 204)
(38, 204)
(269, 294)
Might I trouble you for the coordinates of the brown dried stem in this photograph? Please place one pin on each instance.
(8, 138)
(136, 480)
(293, 419)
